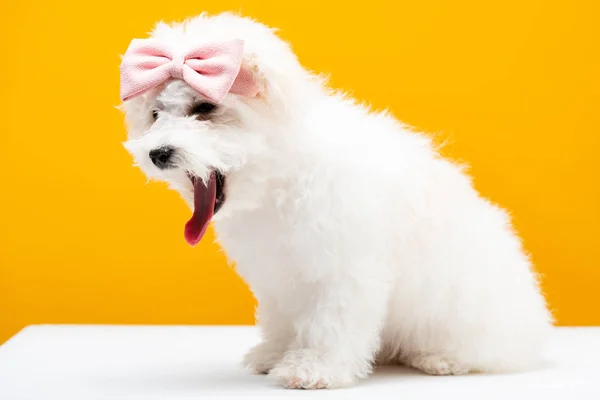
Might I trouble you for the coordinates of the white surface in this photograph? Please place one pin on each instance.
(149, 362)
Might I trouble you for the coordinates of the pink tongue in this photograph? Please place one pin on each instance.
(204, 205)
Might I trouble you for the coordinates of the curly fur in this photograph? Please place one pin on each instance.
(360, 242)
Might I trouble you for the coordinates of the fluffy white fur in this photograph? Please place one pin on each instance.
(360, 243)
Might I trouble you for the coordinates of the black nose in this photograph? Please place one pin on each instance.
(162, 157)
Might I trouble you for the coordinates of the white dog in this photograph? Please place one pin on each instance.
(361, 244)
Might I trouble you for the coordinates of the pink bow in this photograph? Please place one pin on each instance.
(212, 69)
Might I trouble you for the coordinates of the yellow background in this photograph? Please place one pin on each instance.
(512, 86)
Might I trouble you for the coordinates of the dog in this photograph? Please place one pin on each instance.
(361, 243)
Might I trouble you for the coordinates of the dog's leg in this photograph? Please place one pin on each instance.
(277, 333)
(337, 333)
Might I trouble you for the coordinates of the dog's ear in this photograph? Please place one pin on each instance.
(277, 74)
(251, 66)
(271, 82)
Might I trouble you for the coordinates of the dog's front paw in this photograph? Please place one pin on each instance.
(308, 369)
(263, 357)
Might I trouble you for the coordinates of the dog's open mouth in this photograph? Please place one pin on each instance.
(208, 199)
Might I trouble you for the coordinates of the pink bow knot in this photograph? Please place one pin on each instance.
(177, 67)
(212, 69)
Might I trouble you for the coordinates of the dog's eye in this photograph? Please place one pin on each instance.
(202, 109)
(154, 115)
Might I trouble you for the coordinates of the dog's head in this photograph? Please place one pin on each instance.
(216, 154)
